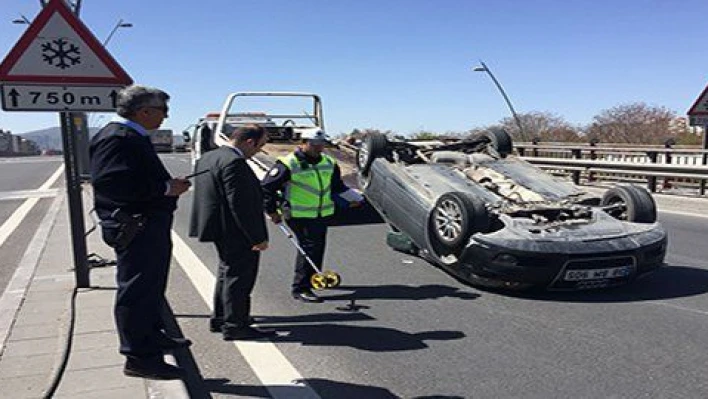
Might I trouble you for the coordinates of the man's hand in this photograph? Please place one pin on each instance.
(177, 186)
(275, 217)
(262, 246)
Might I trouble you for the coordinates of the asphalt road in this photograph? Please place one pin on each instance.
(418, 332)
(421, 333)
(19, 180)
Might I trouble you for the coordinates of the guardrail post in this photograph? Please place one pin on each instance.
(576, 173)
(535, 142)
(593, 155)
(667, 156)
(651, 180)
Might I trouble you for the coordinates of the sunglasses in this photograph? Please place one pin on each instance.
(165, 109)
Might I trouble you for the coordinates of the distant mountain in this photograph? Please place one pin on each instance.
(49, 138)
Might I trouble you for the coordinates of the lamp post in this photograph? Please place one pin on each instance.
(21, 21)
(120, 24)
(484, 68)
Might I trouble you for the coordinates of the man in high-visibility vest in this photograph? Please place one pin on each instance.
(299, 189)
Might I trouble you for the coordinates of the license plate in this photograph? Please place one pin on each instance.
(596, 274)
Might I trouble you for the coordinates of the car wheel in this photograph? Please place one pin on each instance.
(500, 140)
(373, 146)
(630, 203)
(454, 218)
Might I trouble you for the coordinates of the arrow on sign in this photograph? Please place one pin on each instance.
(114, 98)
(13, 94)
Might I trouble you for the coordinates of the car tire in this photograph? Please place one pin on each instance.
(499, 139)
(635, 204)
(374, 146)
(453, 219)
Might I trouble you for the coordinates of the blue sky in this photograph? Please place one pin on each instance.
(403, 65)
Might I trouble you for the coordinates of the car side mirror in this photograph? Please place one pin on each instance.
(186, 136)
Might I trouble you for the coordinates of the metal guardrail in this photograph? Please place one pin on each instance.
(647, 162)
(596, 166)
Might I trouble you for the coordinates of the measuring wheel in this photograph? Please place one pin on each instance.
(327, 279)
(318, 281)
(333, 279)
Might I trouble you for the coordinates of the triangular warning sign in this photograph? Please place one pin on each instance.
(58, 48)
(700, 107)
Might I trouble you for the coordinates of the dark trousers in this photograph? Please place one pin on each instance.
(141, 273)
(312, 236)
(238, 268)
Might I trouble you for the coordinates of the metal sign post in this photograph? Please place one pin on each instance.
(76, 208)
(59, 65)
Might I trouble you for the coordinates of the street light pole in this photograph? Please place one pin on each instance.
(22, 20)
(483, 68)
(120, 24)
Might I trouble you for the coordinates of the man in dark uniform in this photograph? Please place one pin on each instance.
(302, 184)
(228, 211)
(135, 198)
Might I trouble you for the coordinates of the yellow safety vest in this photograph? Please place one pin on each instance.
(309, 189)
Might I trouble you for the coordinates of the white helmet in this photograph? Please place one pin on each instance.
(315, 135)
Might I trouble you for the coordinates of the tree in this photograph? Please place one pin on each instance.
(545, 126)
(636, 123)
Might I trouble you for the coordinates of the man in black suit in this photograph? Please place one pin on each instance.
(228, 211)
(135, 198)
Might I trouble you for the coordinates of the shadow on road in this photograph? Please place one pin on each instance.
(324, 388)
(398, 292)
(365, 214)
(665, 283)
(372, 339)
(305, 318)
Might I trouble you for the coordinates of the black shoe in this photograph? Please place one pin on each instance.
(307, 296)
(216, 326)
(153, 368)
(166, 342)
(248, 333)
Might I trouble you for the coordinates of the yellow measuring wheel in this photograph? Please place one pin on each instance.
(321, 279)
(318, 281)
(333, 279)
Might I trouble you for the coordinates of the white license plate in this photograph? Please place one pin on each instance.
(596, 274)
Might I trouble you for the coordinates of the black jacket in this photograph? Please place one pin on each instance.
(126, 173)
(228, 201)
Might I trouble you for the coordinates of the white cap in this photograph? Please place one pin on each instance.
(314, 135)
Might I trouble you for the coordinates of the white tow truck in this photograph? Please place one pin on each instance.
(288, 116)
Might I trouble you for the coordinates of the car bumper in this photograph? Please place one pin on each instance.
(565, 266)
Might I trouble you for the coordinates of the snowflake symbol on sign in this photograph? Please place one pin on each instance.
(61, 53)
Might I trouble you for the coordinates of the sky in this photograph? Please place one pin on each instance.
(400, 65)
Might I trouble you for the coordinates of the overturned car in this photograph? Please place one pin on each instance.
(494, 220)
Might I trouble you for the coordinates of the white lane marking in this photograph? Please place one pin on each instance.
(24, 194)
(21, 212)
(269, 364)
(12, 298)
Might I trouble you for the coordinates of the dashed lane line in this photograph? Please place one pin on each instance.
(271, 367)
